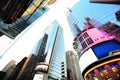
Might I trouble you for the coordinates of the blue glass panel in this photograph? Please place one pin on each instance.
(102, 50)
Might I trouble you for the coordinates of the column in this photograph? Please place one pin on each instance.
(90, 76)
(111, 73)
(98, 74)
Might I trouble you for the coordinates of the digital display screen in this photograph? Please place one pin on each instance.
(102, 50)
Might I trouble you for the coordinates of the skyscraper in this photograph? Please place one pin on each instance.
(57, 67)
(73, 23)
(73, 70)
(21, 17)
(48, 60)
(55, 52)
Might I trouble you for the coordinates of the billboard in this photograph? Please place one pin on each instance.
(102, 49)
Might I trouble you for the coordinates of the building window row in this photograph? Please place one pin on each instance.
(85, 35)
(81, 39)
(89, 41)
(85, 40)
(86, 43)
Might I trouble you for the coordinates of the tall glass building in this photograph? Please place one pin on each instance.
(55, 50)
(48, 61)
(73, 23)
(22, 16)
(99, 52)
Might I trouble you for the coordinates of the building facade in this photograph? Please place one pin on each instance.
(98, 49)
(110, 28)
(97, 45)
(73, 23)
(105, 68)
(101, 13)
(55, 52)
(47, 61)
(73, 70)
(28, 12)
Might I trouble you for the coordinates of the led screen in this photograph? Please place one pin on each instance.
(102, 50)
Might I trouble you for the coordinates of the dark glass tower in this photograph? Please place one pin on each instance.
(17, 18)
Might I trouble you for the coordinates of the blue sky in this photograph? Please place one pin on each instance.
(100, 12)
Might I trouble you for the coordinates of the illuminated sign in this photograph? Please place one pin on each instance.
(102, 50)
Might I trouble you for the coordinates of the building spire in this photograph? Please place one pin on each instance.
(69, 9)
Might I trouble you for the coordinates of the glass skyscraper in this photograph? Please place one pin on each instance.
(35, 9)
(55, 52)
(73, 23)
(48, 61)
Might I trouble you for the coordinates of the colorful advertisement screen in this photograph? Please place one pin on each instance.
(102, 49)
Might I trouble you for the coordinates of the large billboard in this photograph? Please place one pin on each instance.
(102, 50)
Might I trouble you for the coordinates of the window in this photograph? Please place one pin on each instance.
(84, 45)
(81, 39)
(89, 41)
(85, 35)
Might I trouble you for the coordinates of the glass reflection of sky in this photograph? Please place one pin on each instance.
(99, 12)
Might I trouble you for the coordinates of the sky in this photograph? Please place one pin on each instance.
(24, 43)
(100, 12)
